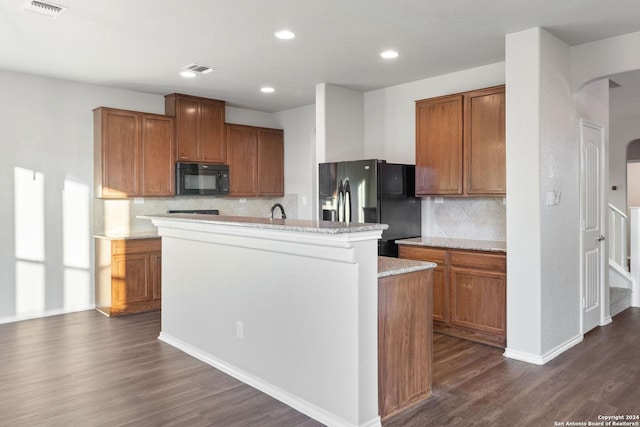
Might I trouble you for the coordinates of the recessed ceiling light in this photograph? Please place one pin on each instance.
(267, 89)
(187, 73)
(389, 54)
(285, 34)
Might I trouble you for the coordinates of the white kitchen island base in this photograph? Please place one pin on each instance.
(288, 307)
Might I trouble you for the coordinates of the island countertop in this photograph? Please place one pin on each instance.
(388, 266)
(298, 225)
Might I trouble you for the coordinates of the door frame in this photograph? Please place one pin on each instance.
(603, 224)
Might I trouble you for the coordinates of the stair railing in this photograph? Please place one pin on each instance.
(634, 239)
(618, 247)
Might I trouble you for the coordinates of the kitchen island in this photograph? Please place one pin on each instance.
(286, 306)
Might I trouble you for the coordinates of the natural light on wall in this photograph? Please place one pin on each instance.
(75, 241)
(29, 241)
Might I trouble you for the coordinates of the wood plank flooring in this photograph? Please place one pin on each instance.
(474, 385)
(83, 369)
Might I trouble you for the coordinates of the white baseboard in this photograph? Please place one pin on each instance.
(285, 397)
(538, 359)
(48, 313)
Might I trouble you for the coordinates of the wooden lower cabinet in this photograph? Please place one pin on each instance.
(469, 292)
(404, 341)
(128, 275)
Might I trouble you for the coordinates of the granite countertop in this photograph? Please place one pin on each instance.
(151, 234)
(388, 266)
(306, 226)
(448, 243)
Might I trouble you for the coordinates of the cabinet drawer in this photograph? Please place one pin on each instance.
(131, 246)
(494, 262)
(422, 253)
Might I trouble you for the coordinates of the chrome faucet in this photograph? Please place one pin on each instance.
(273, 208)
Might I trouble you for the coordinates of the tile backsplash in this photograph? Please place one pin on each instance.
(476, 218)
(121, 216)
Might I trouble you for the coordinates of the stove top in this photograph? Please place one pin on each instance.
(195, 211)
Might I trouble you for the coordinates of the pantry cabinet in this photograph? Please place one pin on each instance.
(469, 292)
(200, 132)
(128, 275)
(133, 154)
(460, 144)
(256, 161)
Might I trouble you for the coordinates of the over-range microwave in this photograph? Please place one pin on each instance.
(202, 179)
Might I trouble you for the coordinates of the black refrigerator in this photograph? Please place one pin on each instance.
(371, 191)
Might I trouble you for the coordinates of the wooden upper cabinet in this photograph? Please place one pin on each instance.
(116, 153)
(484, 142)
(270, 162)
(158, 170)
(460, 144)
(242, 157)
(439, 146)
(133, 154)
(200, 135)
(256, 161)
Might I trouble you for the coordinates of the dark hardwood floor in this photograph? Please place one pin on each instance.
(83, 369)
(474, 385)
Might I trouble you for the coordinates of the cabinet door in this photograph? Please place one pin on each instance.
(155, 264)
(119, 146)
(130, 279)
(478, 300)
(157, 155)
(440, 276)
(212, 137)
(441, 294)
(188, 128)
(242, 157)
(270, 162)
(484, 142)
(439, 146)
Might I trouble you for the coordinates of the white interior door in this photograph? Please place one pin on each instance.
(592, 255)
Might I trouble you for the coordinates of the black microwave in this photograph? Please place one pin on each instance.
(202, 179)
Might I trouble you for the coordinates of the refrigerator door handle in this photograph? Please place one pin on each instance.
(340, 206)
(347, 201)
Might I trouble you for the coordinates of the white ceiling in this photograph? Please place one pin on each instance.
(142, 44)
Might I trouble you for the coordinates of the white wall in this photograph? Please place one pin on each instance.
(340, 124)
(390, 118)
(524, 262)
(604, 58)
(560, 224)
(47, 127)
(624, 128)
(299, 157)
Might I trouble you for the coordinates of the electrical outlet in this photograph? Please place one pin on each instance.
(240, 329)
(242, 200)
(438, 200)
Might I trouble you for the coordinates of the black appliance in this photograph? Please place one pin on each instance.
(194, 211)
(202, 179)
(372, 191)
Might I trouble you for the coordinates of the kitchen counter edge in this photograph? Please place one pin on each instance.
(305, 226)
(450, 243)
(388, 266)
(128, 236)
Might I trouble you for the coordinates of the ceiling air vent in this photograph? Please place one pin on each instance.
(196, 68)
(49, 9)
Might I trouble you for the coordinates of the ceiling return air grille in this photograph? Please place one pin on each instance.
(196, 68)
(49, 9)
